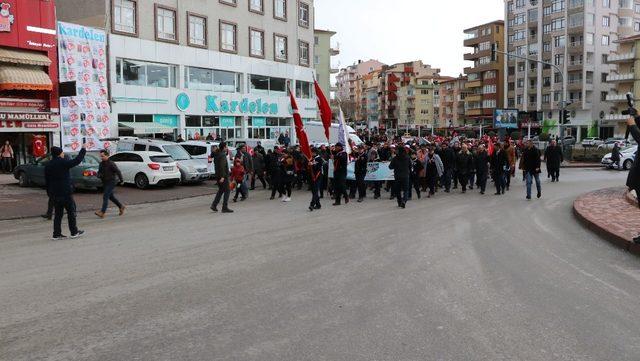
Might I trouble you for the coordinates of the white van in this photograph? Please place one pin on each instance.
(203, 149)
(315, 133)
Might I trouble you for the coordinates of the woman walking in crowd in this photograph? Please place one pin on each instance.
(7, 157)
(237, 175)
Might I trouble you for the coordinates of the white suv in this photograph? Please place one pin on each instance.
(203, 149)
(147, 168)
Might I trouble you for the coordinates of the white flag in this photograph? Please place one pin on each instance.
(343, 133)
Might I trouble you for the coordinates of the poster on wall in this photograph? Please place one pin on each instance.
(86, 117)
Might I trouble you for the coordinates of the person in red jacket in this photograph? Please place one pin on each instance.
(237, 175)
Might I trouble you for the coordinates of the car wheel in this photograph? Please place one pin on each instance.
(627, 164)
(142, 182)
(23, 181)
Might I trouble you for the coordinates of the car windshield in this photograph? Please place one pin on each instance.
(91, 159)
(177, 152)
(161, 158)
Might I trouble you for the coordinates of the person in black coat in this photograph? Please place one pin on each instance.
(499, 162)
(340, 163)
(316, 165)
(531, 167)
(553, 156)
(110, 176)
(633, 179)
(416, 169)
(615, 156)
(60, 188)
(464, 165)
(448, 158)
(361, 173)
(482, 167)
(401, 166)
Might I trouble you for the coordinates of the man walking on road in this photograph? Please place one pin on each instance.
(59, 187)
(340, 162)
(531, 167)
(553, 157)
(107, 172)
(401, 165)
(316, 165)
(222, 175)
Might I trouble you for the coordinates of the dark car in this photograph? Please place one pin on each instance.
(84, 176)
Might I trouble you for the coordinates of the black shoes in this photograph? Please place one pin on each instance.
(360, 200)
(528, 198)
(226, 210)
(77, 234)
(58, 238)
(539, 195)
(46, 216)
(214, 209)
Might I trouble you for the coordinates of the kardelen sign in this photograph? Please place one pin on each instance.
(244, 106)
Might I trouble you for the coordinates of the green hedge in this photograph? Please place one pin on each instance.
(588, 154)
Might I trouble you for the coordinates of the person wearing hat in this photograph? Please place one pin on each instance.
(60, 189)
(340, 163)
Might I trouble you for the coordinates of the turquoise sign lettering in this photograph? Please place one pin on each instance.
(245, 106)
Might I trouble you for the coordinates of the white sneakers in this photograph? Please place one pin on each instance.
(286, 199)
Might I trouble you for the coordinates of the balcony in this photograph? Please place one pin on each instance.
(474, 98)
(473, 112)
(334, 70)
(616, 98)
(334, 50)
(473, 84)
(621, 78)
(621, 58)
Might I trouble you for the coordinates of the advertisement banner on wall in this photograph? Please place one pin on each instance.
(82, 59)
(505, 118)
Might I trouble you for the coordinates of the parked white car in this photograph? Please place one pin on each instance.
(202, 150)
(627, 156)
(144, 169)
(611, 142)
(191, 170)
(591, 142)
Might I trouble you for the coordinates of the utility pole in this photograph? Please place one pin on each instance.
(563, 102)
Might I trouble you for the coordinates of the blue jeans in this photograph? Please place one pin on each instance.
(530, 177)
(109, 196)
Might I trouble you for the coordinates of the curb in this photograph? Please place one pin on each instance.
(631, 199)
(612, 238)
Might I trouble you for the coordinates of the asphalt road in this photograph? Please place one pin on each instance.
(458, 277)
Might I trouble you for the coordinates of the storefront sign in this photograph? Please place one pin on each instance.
(20, 125)
(259, 121)
(214, 105)
(227, 122)
(166, 120)
(22, 104)
(183, 102)
(82, 58)
(25, 116)
(6, 18)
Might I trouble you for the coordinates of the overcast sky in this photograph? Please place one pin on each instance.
(395, 31)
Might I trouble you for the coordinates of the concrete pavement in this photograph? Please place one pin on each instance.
(458, 277)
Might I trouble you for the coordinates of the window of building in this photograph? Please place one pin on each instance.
(280, 9)
(558, 59)
(557, 78)
(256, 43)
(303, 14)
(229, 2)
(559, 41)
(590, 19)
(316, 40)
(134, 72)
(197, 30)
(606, 3)
(165, 24)
(212, 80)
(605, 21)
(636, 26)
(304, 89)
(603, 96)
(520, 83)
(589, 38)
(125, 16)
(256, 6)
(303, 53)
(546, 98)
(280, 47)
(228, 37)
(261, 84)
(558, 24)
(605, 40)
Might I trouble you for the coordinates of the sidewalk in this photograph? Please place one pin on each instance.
(610, 213)
(580, 165)
(17, 202)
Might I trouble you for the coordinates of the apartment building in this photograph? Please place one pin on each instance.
(452, 94)
(347, 82)
(196, 68)
(625, 79)
(397, 92)
(426, 101)
(577, 37)
(486, 77)
(323, 50)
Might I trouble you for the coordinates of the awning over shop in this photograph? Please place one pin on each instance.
(24, 78)
(146, 128)
(17, 56)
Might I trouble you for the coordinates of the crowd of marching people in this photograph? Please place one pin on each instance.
(422, 166)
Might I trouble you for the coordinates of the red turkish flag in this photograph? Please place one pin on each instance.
(325, 109)
(303, 140)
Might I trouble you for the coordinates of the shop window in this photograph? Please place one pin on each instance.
(133, 72)
(212, 80)
(267, 85)
(193, 121)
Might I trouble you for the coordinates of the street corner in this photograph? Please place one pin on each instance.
(612, 214)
